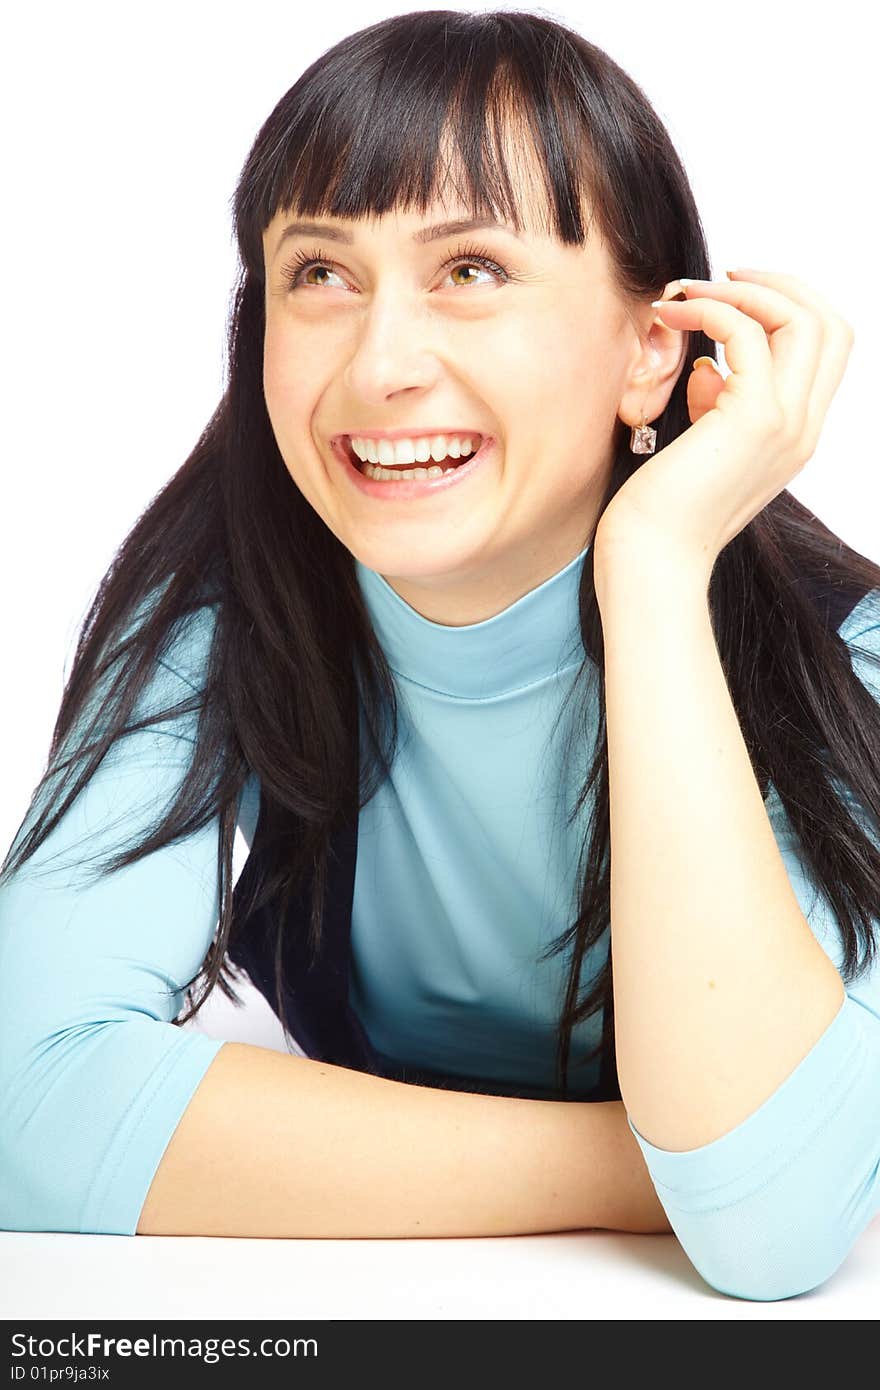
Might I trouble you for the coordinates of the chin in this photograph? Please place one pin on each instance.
(420, 561)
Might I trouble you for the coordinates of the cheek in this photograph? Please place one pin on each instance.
(563, 423)
(286, 387)
(573, 383)
(276, 373)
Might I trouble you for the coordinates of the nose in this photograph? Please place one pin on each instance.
(392, 352)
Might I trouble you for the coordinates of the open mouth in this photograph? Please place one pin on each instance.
(446, 465)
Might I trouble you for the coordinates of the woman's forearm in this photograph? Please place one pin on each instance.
(720, 986)
(275, 1145)
(621, 1193)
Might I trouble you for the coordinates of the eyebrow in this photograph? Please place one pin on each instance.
(425, 234)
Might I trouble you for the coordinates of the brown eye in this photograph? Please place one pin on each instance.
(292, 273)
(470, 256)
(468, 265)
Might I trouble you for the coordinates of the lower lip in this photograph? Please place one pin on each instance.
(415, 487)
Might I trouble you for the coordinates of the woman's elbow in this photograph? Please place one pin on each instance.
(763, 1265)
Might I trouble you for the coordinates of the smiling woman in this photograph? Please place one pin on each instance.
(366, 673)
(405, 329)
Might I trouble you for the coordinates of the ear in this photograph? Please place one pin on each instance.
(656, 366)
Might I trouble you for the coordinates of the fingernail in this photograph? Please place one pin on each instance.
(707, 362)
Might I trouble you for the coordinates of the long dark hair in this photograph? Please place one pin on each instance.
(292, 649)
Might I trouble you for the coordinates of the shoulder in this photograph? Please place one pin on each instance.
(179, 674)
(864, 618)
(860, 630)
(180, 667)
(183, 663)
(167, 703)
(187, 647)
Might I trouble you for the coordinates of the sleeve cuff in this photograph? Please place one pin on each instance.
(747, 1157)
(123, 1182)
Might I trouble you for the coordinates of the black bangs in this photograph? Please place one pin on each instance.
(440, 116)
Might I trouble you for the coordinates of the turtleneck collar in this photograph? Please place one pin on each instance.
(532, 639)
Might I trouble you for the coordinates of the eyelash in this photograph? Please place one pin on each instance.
(465, 255)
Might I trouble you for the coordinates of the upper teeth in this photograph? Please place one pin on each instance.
(389, 452)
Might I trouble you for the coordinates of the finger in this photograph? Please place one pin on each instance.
(703, 388)
(796, 290)
(773, 309)
(838, 341)
(778, 379)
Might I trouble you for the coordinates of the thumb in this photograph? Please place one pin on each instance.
(704, 384)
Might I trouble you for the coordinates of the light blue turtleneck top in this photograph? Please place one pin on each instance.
(465, 865)
(466, 870)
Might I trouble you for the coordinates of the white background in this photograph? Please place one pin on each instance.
(124, 130)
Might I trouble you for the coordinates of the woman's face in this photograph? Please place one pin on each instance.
(391, 330)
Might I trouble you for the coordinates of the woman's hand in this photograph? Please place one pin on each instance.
(752, 431)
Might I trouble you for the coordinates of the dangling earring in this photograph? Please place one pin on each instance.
(642, 438)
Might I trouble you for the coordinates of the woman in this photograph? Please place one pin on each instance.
(462, 238)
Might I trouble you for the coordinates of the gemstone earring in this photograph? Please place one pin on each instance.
(642, 438)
